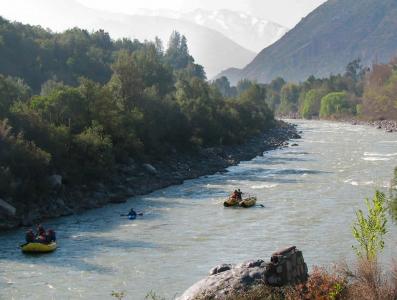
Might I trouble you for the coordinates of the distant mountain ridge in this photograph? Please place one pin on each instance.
(248, 31)
(324, 42)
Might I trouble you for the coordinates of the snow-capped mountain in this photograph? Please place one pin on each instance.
(249, 31)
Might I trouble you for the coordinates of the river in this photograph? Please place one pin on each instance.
(309, 193)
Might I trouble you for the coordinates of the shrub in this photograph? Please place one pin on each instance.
(321, 285)
(369, 231)
(368, 281)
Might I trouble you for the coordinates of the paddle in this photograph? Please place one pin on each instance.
(126, 215)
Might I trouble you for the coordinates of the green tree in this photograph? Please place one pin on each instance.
(312, 103)
(12, 90)
(289, 98)
(334, 104)
(369, 231)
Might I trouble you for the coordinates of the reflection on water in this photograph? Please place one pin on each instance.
(309, 193)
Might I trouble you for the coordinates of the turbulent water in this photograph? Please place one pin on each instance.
(309, 192)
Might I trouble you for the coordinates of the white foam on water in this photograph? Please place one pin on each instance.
(357, 183)
(380, 154)
(373, 158)
(264, 186)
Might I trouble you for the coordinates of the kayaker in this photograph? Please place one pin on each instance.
(132, 213)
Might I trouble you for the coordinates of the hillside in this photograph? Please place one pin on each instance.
(324, 42)
(210, 48)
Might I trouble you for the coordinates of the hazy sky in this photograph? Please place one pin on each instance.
(285, 12)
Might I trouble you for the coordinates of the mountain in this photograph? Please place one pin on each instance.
(210, 48)
(248, 31)
(325, 41)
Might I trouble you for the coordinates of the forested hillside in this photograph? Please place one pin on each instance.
(78, 103)
(325, 41)
(37, 55)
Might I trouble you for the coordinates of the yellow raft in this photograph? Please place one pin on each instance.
(38, 247)
(230, 202)
(249, 202)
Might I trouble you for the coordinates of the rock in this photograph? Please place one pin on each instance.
(294, 145)
(286, 267)
(221, 284)
(150, 169)
(55, 181)
(221, 268)
(7, 208)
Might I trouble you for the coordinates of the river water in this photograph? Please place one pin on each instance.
(310, 193)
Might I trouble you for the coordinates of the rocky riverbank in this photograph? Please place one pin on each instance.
(139, 178)
(387, 125)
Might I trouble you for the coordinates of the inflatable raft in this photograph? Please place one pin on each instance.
(230, 202)
(249, 202)
(38, 247)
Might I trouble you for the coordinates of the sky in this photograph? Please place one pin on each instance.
(284, 12)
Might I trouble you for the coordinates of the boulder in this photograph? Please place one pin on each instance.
(286, 267)
(7, 208)
(150, 169)
(222, 283)
(221, 268)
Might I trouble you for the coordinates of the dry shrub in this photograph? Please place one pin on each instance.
(260, 292)
(321, 285)
(369, 282)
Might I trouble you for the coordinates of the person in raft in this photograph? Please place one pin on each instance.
(237, 194)
(41, 236)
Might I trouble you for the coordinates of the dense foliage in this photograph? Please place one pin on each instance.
(361, 93)
(79, 103)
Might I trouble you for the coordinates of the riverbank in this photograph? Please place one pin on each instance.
(387, 125)
(139, 178)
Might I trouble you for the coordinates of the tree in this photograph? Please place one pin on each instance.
(312, 103)
(12, 90)
(370, 230)
(334, 104)
(289, 98)
(223, 85)
(177, 54)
